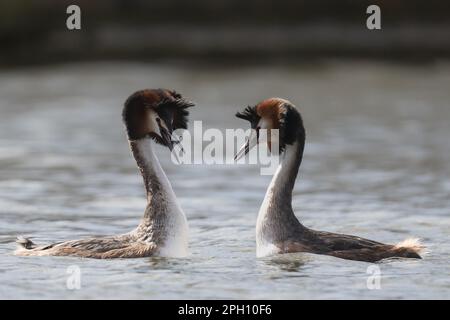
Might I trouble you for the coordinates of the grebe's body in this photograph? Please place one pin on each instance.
(150, 116)
(278, 230)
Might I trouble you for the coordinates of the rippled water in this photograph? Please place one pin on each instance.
(376, 165)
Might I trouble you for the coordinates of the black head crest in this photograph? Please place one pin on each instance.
(170, 106)
(175, 102)
(250, 115)
(287, 119)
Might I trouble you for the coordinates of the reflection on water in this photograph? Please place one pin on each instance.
(376, 165)
(288, 262)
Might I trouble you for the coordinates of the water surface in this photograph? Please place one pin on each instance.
(376, 165)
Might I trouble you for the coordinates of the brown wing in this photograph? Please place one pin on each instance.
(347, 247)
(100, 244)
(337, 242)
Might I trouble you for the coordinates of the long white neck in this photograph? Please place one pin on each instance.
(276, 220)
(155, 179)
(164, 223)
(284, 178)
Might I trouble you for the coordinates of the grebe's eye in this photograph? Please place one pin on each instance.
(158, 120)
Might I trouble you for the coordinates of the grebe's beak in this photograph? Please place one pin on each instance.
(252, 141)
(166, 138)
(170, 140)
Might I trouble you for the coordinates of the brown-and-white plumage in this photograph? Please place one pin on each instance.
(278, 230)
(149, 116)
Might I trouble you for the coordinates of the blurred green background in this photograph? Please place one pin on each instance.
(34, 32)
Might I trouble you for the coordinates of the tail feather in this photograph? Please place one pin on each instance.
(410, 248)
(25, 243)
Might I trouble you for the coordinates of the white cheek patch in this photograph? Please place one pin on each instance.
(152, 123)
(264, 124)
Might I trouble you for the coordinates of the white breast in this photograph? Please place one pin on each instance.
(176, 243)
(264, 249)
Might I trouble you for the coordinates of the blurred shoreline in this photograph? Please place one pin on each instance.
(222, 32)
(238, 45)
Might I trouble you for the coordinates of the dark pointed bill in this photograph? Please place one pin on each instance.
(251, 142)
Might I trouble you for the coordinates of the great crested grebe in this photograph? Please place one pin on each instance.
(278, 230)
(149, 116)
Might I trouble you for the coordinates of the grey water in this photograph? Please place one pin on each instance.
(377, 165)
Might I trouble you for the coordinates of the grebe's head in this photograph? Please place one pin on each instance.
(155, 113)
(273, 113)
